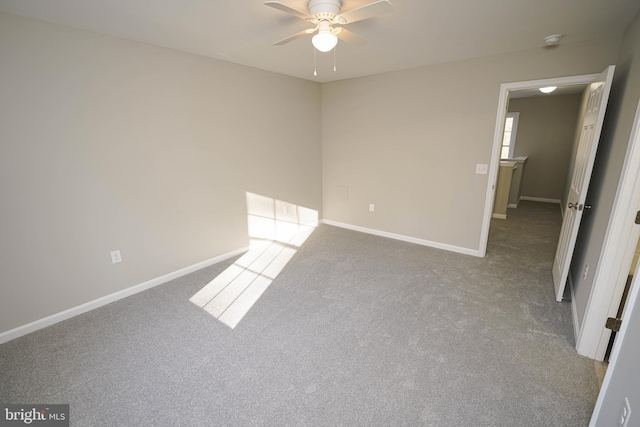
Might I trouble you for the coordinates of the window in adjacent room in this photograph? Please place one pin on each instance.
(509, 137)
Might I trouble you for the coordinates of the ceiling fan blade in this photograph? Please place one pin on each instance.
(364, 12)
(349, 36)
(287, 9)
(295, 36)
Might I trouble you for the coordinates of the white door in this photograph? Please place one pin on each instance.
(583, 166)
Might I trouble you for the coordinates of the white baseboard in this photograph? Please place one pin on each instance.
(512, 205)
(499, 216)
(404, 238)
(107, 299)
(574, 309)
(540, 199)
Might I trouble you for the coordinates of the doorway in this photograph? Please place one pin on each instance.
(541, 144)
(505, 91)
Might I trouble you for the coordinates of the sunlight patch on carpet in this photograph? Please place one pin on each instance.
(276, 230)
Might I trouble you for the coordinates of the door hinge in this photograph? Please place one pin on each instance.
(613, 324)
(638, 218)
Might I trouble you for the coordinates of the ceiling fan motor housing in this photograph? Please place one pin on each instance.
(324, 9)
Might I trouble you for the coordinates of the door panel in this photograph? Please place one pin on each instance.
(583, 166)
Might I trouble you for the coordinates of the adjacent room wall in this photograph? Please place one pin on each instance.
(109, 144)
(614, 141)
(546, 130)
(409, 141)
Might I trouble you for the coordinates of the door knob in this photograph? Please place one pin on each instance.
(573, 206)
(587, 207)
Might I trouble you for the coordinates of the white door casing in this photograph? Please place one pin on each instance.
(587, 146)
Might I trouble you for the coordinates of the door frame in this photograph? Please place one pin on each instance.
(614, 262)
(494, 163)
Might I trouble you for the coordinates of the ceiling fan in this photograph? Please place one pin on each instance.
(328, 20)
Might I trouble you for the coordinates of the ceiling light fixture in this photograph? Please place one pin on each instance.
(325, 40)
(548, 89)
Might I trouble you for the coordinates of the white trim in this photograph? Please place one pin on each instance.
(512, 205)
(403, 238)
(498, 134)
(621, 227)
(574, 309)
(499, 216)
(540, 199)
(494, 161)
(107, 299)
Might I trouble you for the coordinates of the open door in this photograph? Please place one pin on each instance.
(583, 166)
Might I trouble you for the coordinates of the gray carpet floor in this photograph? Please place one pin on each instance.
(357, 330)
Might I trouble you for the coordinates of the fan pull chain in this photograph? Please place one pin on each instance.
(334, 57)
(315, 63)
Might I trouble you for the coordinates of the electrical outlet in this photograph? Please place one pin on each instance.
(625, 414)
(116, 257)
(371, 207)
(482, 169)
(586, 270)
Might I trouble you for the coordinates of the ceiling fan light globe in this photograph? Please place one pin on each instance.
(548, 89)
(324, 41)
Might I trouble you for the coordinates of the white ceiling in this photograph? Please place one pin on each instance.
(417, 33)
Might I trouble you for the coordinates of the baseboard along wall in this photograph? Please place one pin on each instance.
(543, 200)
(540, 199)
(423, 242)
(107, 299)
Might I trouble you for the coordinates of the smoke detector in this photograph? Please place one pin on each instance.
(553, 39)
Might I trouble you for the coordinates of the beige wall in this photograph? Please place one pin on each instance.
(409, 141)
(109, 144)
(546, 131)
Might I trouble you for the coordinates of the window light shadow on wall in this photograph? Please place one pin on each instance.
(276, 230)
